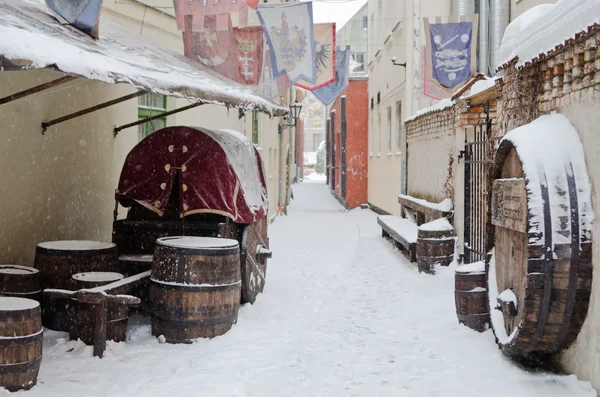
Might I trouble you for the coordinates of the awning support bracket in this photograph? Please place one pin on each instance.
(50, 123)
(36, 89)
(158, 116)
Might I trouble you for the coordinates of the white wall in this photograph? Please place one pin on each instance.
(583, 358)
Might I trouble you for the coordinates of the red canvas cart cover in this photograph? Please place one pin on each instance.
(220, 172)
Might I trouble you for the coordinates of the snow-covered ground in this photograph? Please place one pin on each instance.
(343, 314)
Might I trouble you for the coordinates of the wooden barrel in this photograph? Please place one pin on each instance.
(471, 297)
(20, 281)
(21, 339)
(130, 265)
(195, 287)
(436, 243)
(83, 313)
(58, 261)
(540, 272)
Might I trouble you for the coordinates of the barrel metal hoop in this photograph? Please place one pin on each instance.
(208, 323)
(548, 265)
(473, 317)
(21, 340)
(187, 288)
(20, 367)
(471, 295)
(199, 251)
(574, 265)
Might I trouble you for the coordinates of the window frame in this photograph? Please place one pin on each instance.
(145, 111)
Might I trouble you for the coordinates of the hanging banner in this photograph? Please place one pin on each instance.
(452, 53)
(272, 87)
(214, 46)
(83, 15)
(249, 42)
(328, 94)
(198, 9)
(290, 36)
(325, 57)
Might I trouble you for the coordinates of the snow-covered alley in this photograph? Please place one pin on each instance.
(343, 314)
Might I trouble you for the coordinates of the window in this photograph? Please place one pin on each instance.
(399, 126)
(378, 135)
(359, 57)
(372, 102)
(371, 127)
(255, 127)
(389, 131)
(151, 105)
(365, 23)
(378, 98)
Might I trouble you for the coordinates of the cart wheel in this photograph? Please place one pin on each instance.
(254, 254)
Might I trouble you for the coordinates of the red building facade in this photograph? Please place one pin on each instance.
(348, 145)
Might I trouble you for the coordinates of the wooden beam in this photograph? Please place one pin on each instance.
(50, 123)
(36, 89)
(158, 116)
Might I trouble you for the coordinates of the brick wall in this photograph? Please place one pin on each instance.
(357, 145)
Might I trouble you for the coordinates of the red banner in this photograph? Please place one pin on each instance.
(214, 46)
(250, 46)
(198, 9)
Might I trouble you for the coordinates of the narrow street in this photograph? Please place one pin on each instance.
(343, 314)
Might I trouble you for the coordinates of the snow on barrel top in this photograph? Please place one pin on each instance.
(76, 245)
(197, 242)
(540, 29)
(441, 224)
(10, 303)
(136, 258)
(98, 277)
(17, 269)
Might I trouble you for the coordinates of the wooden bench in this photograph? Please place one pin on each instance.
(425, 211)
(403, 231)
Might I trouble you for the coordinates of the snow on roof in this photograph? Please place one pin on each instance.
(441, 105)
(481, 86)
(33, 38)
(542, 28)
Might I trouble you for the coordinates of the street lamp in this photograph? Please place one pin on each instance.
(295, 110)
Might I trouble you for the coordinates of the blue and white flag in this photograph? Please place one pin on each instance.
(290, 36)
(331, 92)
(451, 52)
(84, 15)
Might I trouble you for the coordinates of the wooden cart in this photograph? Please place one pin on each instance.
(184, 181)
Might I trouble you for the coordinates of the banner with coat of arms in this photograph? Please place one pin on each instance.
(451, 49)
(328, 94)
(198, 9)
(214, 46)
(290, 36)
(325, 40)
(249, 42)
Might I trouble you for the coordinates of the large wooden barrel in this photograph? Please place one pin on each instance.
(20, 281)
(83, 313)
(436, 243)
(195, 287)
(58, 261)
(471, 297)
(540, 272)
(21, 339)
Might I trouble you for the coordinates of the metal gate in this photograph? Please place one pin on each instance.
(478, 158)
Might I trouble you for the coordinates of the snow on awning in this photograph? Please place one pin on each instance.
(32, 38)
